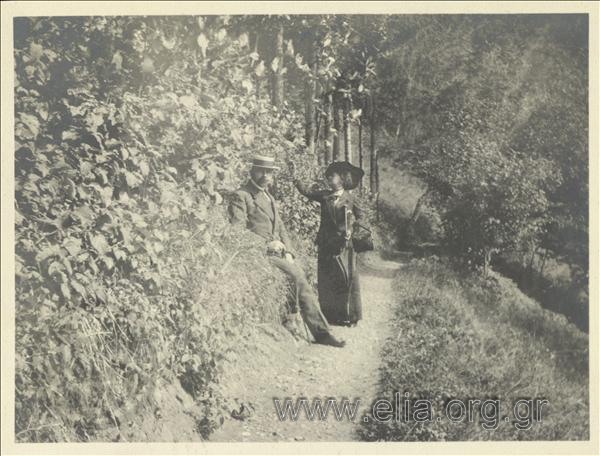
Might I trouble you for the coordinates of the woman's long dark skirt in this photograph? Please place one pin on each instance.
(339, 287)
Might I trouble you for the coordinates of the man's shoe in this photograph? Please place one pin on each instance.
(329, 339)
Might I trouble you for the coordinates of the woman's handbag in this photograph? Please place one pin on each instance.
(362, 239)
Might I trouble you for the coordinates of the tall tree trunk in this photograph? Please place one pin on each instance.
(256, 78)
(487, 256)
(544, 258)
(528, 281)
(360, 152)
(327, 140)
(373, 177)
(309, 116)
(318, 134)
(318, 118)
(310, 89)
(337, 128)
(417, 210)
(347, 131)
(377, 173)
(276, 76)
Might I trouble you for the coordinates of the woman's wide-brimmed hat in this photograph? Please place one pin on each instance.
(343, 167)
(263, 161)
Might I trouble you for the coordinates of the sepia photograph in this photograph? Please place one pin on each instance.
(236, 227)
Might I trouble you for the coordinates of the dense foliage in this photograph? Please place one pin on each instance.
(491, 114)
(129, 134)
(131, 131)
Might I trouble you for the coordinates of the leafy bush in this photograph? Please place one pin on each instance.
(129, 132)
(491, 113)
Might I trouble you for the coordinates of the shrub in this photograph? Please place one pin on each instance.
(129, 131)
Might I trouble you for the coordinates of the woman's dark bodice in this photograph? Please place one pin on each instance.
(332, 213)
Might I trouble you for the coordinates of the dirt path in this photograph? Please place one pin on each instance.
(286, 368)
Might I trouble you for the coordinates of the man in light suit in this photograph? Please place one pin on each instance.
(253, 206)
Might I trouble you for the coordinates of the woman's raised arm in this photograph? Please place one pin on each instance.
(310, 194)
(303, 188)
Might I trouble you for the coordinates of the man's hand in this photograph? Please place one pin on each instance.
(276, 247)
(289, 257)
(292, 168)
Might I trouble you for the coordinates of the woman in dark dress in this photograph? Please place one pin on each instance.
(338, 277)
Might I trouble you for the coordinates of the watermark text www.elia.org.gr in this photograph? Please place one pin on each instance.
(521, 413)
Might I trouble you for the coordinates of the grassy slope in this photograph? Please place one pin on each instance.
(399, 193)
(229, 292)
(461, 336)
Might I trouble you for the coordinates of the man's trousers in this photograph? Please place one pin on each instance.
(308, 301)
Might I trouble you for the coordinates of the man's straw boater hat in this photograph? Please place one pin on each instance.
(262, 161)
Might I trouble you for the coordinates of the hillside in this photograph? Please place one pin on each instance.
(458, 336)
(143, 314)
(428, 331)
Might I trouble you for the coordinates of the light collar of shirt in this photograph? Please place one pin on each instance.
(336, 195)
(262, 189)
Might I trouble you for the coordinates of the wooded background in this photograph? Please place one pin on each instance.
(131, 131)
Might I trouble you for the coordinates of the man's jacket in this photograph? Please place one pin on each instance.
(257, 210)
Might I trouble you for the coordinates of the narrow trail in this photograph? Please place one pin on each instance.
(281, 367)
